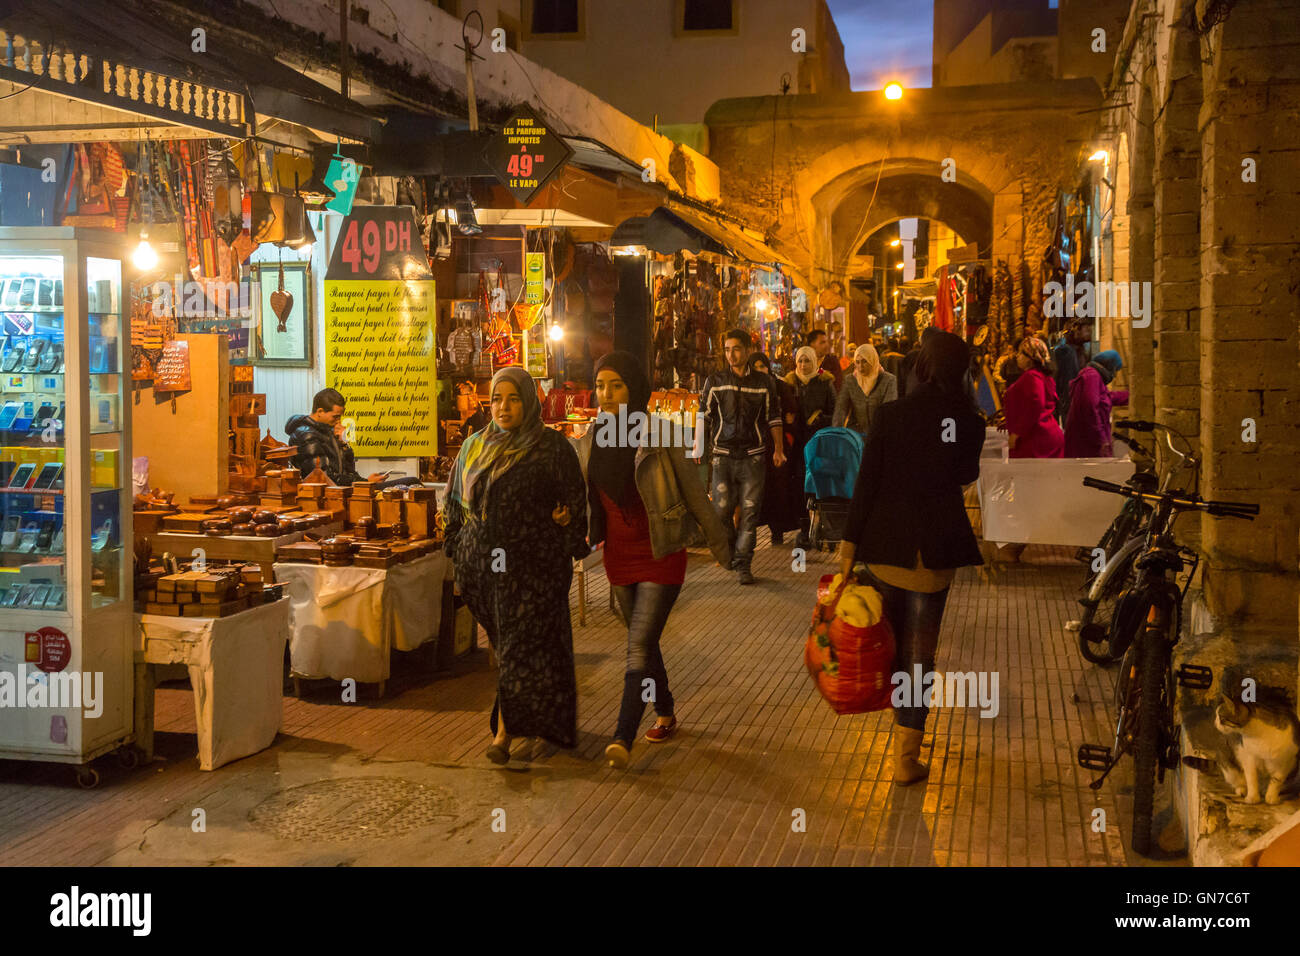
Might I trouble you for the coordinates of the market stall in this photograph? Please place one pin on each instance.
(348, 620)
(236, 670)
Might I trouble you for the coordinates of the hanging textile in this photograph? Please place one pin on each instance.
(943, 301)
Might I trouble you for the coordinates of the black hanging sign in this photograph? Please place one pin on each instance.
(525, 154)
(379, 242)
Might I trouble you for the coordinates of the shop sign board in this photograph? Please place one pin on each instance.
(379, 242)
(380, 321)
(534, 278)
(535, 351)
(525, 154)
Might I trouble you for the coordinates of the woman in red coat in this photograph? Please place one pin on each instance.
(1029, 406)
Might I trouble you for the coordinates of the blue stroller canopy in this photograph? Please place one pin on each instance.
(832, 458)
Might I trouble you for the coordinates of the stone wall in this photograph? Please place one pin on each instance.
(1193, 101)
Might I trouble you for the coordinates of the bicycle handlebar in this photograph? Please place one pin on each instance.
(1218, 509)
(1136, 424)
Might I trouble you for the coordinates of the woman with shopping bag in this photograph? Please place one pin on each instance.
(907, 521)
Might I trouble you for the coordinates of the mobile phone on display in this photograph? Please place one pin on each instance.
(8, 414)
(36, 599)
(55, 601)
(48, 474)
(11, 596)
(23, 475)
(45, 294)
(11, 289)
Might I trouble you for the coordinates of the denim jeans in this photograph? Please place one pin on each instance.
(914, 617)
(739, 481)
(645, 609)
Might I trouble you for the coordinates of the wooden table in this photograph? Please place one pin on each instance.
(235, 547)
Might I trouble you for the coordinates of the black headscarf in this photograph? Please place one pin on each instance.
(944, 362)
(612, 469)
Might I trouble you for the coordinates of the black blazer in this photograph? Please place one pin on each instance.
(909, 491)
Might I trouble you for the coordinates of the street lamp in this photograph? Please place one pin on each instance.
(896, 242)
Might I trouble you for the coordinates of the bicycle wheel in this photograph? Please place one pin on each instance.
(1123, 527)
(1095, 642)
(1152, 677)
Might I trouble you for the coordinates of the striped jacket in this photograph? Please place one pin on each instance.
(738, 411)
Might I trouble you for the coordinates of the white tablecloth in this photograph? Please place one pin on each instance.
(236, 666)
(1043, 500)
(346, 620)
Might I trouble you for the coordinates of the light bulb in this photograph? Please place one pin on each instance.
(556, 333)
(893, 92)
(1099, 157)
(761, 305)
(144, 258)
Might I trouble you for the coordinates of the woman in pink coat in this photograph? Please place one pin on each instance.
(1029, 406)
(1087, 426)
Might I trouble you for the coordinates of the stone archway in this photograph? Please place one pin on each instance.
(965, 208)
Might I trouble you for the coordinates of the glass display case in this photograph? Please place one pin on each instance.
(65, 494)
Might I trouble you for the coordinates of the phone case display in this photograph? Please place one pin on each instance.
(32, 447)
(65, 530)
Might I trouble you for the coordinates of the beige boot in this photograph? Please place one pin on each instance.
(908, 768)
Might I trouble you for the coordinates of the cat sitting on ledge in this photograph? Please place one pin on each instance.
(1259, 737)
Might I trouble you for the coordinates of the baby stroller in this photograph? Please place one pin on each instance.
(832, 458)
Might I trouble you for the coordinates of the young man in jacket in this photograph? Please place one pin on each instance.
(737, 405)
(827, 360)
(314, 437)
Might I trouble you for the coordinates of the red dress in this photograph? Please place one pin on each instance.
(629, 559)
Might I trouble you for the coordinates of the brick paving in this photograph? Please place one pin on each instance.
(757, 752)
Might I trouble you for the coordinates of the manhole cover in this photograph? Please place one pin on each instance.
(353, 808)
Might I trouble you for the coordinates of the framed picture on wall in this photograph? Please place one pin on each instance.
(284, 330)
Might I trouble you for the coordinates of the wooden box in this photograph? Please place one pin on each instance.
(361, 506)
(390, 511)
(421, 517)
(184, 522)
(246, 440)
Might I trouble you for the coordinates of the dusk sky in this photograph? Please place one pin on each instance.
(885, 40)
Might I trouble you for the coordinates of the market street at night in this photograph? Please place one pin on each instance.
(755, 747)
(446, 439)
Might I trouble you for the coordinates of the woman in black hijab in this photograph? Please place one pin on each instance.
(647, 504)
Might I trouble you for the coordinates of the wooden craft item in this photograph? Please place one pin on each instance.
(282, 303)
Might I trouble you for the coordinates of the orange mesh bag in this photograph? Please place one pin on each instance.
(850, 665)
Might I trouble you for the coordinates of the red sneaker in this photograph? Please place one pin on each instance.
(657, 734)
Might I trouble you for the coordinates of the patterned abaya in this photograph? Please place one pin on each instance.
(520, 593)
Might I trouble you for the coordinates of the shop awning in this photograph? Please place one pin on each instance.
(926, 288)
(680, 228)
(129, 58)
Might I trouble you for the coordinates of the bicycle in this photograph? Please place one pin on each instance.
(1147, 626)
(1123, 540)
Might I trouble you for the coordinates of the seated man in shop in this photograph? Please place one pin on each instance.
(315, 439)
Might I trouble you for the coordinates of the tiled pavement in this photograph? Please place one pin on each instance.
(757, 746)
